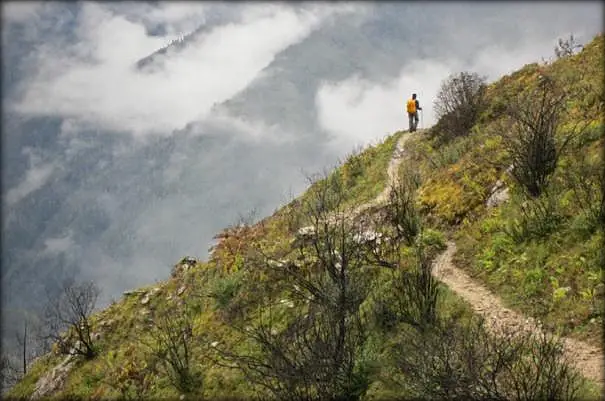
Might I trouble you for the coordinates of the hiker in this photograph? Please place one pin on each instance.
(413, 107)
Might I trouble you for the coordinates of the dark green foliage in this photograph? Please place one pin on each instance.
(225, 289)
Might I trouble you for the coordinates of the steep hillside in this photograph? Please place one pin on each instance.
(332, 296)
(542, 255)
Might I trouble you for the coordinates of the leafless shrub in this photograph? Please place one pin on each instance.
(455, 360)
(567, 47)
(417, 292)
(401, 209)
(310, 352)
(171, 344)
(532, 141)
(30, 342)
(460, 101)
(68, 318)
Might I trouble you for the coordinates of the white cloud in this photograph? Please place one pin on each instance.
(495, 61)
(35, 178)
(357, 111)
(58, 245)
(95, 82)
(20, 11)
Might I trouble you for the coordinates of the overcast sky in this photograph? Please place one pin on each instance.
(93, 82)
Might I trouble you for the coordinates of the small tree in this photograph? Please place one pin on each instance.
(30, 342)
(68, 318)
(460, 100)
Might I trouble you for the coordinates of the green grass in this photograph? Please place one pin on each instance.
(363, 175)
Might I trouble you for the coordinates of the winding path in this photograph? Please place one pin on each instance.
(588, 359)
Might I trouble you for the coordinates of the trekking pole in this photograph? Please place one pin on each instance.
(421, 119)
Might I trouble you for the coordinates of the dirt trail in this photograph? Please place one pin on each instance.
(588, 359)
(391, 175)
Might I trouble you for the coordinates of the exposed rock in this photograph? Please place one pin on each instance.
(133, 292)
(181, 290)
(184, 265)
(277, 263)
(150, 294)
(191, 260)
(498, 196)
(145, 299)
(287, 302)
(367, 236)
(54, 380)
(105, 324)
(77, 346)
(306, 232)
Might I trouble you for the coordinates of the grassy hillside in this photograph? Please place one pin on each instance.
(281, 296)
(543, 256)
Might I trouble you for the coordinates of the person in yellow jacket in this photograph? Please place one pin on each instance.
(413, 107)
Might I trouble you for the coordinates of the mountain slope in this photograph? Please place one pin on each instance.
(91, 216)
(552, 275)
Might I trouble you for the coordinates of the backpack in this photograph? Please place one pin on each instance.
(411, 106)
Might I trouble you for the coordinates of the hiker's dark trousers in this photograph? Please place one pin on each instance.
(413, 117)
